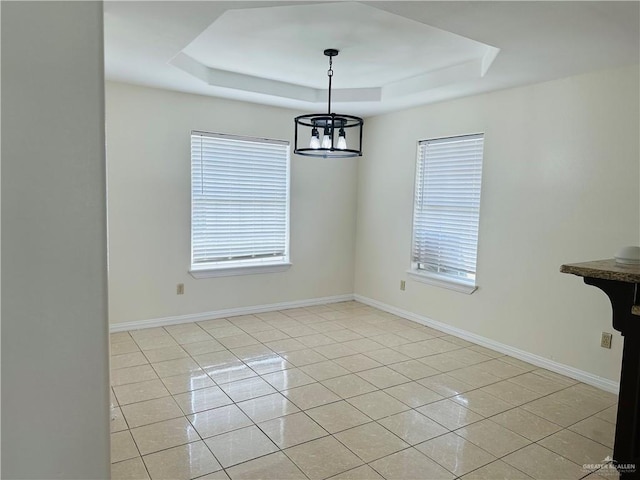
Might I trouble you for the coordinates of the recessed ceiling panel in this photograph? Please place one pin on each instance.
(394, 54)
(286, 44)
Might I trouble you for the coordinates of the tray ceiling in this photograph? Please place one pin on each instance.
(392, 54)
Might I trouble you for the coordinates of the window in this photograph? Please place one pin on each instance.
(446, 212)
(239, 205)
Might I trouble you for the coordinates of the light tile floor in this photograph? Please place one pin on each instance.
(343, 391)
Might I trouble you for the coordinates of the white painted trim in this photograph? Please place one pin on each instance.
(252, 269)
(580, 375)
(441, 281)
(229, 312)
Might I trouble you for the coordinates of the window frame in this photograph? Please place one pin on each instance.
(433, 278)
(245, 266)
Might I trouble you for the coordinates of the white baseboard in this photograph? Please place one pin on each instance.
(581, 375)
(230, 312)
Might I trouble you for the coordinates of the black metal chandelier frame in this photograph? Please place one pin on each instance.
(330, 124)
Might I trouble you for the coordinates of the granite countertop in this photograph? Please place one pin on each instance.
(604, 269)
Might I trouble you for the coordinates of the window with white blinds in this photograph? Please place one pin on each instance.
(239, 201)
(447, 208)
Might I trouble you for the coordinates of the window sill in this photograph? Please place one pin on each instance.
(239, 270)
(438, 281)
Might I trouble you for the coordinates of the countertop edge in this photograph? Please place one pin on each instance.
(604, 269)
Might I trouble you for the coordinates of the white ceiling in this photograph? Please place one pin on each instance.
(393, 54)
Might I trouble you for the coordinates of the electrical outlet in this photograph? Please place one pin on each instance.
(605, 340)
(402, 284)
(180, 289)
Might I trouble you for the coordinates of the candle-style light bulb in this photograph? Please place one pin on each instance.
(326, 138)
(315, 139)
(342, 140)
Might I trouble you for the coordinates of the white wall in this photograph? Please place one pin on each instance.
(55, 394)
(149, 208)
(560, 184)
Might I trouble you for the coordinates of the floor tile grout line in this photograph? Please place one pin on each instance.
(362, 425)
(500, 459)
(387, 365)
(536, 442)
(377, 389)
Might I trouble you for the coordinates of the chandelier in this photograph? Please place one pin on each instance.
(327, 132)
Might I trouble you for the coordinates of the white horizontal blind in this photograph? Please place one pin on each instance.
(239, 200)
(447, 207)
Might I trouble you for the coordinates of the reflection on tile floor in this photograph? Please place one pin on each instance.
(343, 391)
